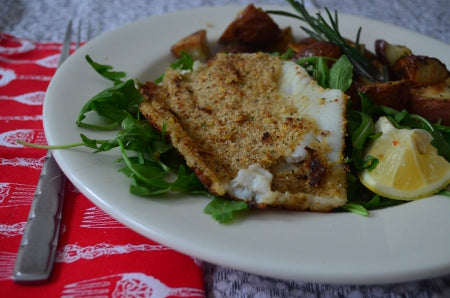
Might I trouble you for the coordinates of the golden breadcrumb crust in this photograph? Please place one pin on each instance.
(228, 115)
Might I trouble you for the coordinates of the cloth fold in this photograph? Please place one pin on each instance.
(96, 253)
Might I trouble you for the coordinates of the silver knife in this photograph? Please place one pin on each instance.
(37, 250)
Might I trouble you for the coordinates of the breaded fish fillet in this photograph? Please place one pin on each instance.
(256, 128)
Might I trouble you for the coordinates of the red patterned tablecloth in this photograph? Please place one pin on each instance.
(97, 255)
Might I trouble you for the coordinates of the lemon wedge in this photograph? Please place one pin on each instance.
(409, 166)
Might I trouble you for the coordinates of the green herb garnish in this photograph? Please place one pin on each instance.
(339, 76)
(321, 30)
(224, 210)
(185, 62)
(106, 70)
(114, 104)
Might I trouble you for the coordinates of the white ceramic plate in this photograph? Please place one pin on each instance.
(402, 243)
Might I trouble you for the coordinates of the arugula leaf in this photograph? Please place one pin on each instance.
(403, 119)
(187, 181)
(444, 129)
(370, 163)
(185, 62)
(318, 69)
(223, 210)
(113, 104)
(355, 208)
(441, 137)
(360, 128)
(321, 73)
(90, 143)
(105, 70)
(341, 74)
(151, 177)
(287, 54)
(360, 198)
(379, 202)
(374, 202)
(139, 136)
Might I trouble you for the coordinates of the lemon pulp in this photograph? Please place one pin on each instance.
(409, 166)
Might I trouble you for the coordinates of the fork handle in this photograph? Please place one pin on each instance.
(37, 248)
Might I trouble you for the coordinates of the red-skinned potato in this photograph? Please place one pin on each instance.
(420, 70)
(394, 94)
(389, 53)
(298, 46)
(195, 45)
(251, 26)
(318, 49)
(283, 43)
(432, 102)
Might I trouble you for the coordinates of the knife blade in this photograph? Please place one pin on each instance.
(37, 250)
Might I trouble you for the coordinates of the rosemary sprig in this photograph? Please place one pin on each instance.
(321, 30)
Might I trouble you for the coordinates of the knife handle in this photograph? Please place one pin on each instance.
(37, 248)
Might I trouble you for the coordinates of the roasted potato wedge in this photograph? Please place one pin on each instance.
(195, 45)
(283, 43)
(432, 102)
(389, 53)
(251, 26)
(394, 94)
(300, 45)
(420, 70)
(317, 48)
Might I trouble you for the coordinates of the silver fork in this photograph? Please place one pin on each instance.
(37, 250)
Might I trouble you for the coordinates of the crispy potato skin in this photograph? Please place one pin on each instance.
(282, 44)
(421, 70)
(251, 26)
(432, 102)
(394, 94)
(433, 109)
(195, 45)
(389, 53)
(316, 48)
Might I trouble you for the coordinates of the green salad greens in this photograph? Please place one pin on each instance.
(154, 167)
(149, 160)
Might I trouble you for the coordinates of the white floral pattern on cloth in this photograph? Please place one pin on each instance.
(126, 285)
(95, 218)
(24, 46)
(49, 61)
(11, 230)
(72, 252)
(35, 163)
(7, 260)
(10, 138)
(16, 194)
(9, 75)
(33, 98)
